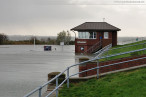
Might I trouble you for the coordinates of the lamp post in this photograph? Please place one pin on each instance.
(34, 42)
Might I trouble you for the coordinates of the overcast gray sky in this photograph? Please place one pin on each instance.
(48, 17)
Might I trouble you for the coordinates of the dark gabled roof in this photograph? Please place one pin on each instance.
(98, 26)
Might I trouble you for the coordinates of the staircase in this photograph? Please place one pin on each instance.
(102, 51)
(94, 48)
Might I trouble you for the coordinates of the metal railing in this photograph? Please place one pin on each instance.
(68, 69)
(137, 46)
(129, 46)
(103, 50)
(131, 40)
(94, 47)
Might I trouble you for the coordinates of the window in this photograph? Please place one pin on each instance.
(92, 35)
(87, 35)
(83, 35)
(106, 35)
(80, 35)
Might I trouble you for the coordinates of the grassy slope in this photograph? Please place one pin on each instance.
(123, 84)
(126, 50)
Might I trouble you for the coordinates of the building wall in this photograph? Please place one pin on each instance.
(114, 38)
(111, 68)
(108, 41)
(87, 43)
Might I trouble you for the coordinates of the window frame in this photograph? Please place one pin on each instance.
(106, 35)
(94, 35)
(86, 35)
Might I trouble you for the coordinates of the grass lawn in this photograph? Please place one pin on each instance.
(122, 84)
(115, 51)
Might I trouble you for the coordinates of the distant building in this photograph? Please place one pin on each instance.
(94, 35)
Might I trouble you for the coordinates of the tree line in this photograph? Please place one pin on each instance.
(63, 36)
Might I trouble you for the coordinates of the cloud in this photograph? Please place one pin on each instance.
(48, 17)
(29, 16)
(90, 2)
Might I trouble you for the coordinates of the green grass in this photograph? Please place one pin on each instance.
(115, 51)
(123, 84)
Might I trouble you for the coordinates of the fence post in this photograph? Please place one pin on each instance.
(57, 87)
(97, 68)
(68, 77)
(40, 89)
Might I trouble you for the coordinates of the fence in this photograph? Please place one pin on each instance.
(122, 49)
(68, 75)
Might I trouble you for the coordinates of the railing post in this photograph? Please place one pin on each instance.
(107, 53)
(143, 47)
(57, 87)
(40, 91)
(68, 77)
(97, 68)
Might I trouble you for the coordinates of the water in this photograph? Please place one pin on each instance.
(126, 40)
(23, 68)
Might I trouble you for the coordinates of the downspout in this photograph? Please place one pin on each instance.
(75, 40)
(75, 34)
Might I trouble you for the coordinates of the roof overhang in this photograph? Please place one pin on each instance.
(95, 26)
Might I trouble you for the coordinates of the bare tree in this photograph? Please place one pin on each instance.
(3, 38)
